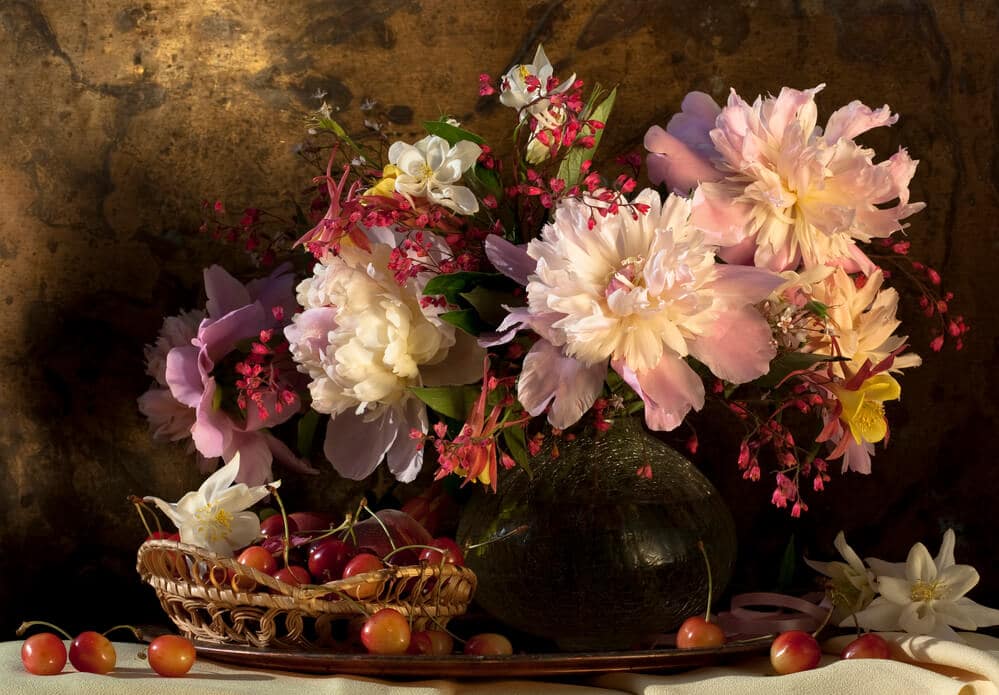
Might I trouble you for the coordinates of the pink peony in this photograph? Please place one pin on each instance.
(641, 293)
(235, 313)
(776, 191)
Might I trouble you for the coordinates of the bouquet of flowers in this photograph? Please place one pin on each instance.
(474, 305)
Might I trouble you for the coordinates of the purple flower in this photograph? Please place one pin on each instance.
(234, 313)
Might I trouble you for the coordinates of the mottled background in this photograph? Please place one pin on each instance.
(118, 117)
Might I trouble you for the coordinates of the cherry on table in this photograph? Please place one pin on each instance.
(488, 644)
(869, 646)
(699, 633)
(92, 652)
(386, 632)
(171, 655)
(431, 643)
(794, 651)
(43, 654)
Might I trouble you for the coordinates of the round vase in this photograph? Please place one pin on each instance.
(600, 554)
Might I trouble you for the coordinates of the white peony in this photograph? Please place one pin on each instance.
(365, 341)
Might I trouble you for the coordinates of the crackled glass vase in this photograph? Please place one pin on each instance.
(596, 554)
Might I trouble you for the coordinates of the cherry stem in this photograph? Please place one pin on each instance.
(825, 621)
(707, 564)
(140, 504)
(284, 520)
(31, 623)
(135, 632)
(502, 537)
(384, 528)
(411, 547)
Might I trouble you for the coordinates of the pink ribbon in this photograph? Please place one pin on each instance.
(760, 613)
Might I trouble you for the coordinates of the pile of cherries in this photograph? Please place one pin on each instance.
(44, 654)
(306, 549)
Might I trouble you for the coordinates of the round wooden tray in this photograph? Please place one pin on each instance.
(459, 666)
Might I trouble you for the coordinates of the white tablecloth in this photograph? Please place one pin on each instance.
(946, 668)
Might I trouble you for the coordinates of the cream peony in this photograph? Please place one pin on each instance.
(364, 340)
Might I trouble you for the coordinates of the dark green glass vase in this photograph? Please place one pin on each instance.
(606, 556)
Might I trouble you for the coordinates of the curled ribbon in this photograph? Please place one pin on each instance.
(760, 613)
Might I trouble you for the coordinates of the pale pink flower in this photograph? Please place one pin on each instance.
(775, 190)
(169, 420)
(641, 292)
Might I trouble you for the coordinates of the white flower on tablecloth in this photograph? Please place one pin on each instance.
(925, 595)
(851, 583)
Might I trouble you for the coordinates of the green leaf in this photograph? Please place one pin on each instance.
(487, 179)
(571, 167)
(515, 440)
(466, 319)
(790, 362)
(453, 284)
(450, 401)
(453, 134)
(307, 432)
(489, 303)
(788, 567)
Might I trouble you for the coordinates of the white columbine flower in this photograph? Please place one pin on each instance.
(925, 596)
(531, 100)
(851, 582)
(214, 517)
(431, 168)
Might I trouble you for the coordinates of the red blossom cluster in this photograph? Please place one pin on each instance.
(264, 374)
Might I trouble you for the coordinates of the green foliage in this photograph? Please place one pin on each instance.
(452, 133)
(307, 432)
(515, 440)
(466, 319)
(454, 402)
(571, 167)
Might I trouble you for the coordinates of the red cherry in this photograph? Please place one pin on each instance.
(259, 559)
(794, 651)
(362, 564)
(488, 644)
(294, 575)
(170, 655)
(328, 558)
(698, 633)
(869, 646)
(43, 654)
(431, 643)
(386, 632)
(448, 551)
(273, 526)
(92, 652)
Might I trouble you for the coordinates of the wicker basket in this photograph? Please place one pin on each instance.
(195, 588)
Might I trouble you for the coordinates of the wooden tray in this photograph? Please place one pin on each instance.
(459, 666)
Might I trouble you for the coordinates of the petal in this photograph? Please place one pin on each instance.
(405, 457)
(957, 580)
(739, 346)
(716, 212)
(220, 337)
(243, 530)
(466, 153)
(886, 569)
(848, 554)
(919, 565)
(669, 390)
(673, 162)
(945, 556)
(277, 289)
(853, 119)
(955, 615)
(167, 509)
(880, 615)
(457, 198)
(898, 591)
(212, 429)
(509, 259)
(744, 284)
(354, 446)
(463, 364)
(225, 293)
(221, 479)
(982, 615)
(183, 376)
(918, 618)
(549, 376)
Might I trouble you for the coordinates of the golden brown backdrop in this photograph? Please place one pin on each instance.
(118, 117)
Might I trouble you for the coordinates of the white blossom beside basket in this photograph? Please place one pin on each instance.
(196, 589)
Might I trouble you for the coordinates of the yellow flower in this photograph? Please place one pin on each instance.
(386, 184)
(864, 410)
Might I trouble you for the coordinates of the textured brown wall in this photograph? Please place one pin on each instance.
(118, 117)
